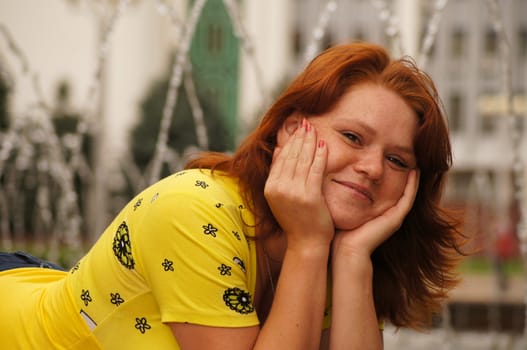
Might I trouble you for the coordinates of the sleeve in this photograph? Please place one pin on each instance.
(193, 254)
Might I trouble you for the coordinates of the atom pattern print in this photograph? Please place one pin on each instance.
(122, 247)
(141, 324)
(209, 229)
(85, 297)
(238, 300)
(168, 265)
(116, 299)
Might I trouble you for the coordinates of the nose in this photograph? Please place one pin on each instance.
(370, 162)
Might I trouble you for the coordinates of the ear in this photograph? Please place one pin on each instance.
(287, 129)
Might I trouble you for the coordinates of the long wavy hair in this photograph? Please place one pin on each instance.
(415, 268)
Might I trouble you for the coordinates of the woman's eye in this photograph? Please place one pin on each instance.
(398, 162)
(352, 137)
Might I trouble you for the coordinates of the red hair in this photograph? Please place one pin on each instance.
(414, 269)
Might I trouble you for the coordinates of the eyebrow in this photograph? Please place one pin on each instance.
(406, 150)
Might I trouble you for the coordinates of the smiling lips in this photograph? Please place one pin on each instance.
(361, 190)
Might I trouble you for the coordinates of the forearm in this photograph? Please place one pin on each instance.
(354, 322)
(295, 320)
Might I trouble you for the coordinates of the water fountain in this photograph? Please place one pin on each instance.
(32, 154)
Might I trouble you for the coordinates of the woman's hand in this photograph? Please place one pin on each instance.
(294, 188)
(352, 273)
(364, 239)
(294, 193)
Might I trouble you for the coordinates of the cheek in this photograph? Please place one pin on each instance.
(339, 158)
(395, 189)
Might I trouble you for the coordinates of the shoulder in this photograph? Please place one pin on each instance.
(196, 193)
(199, 183)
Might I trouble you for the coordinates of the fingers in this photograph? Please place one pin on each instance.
(367, 237)
(318, 166)
(398, 212)
(284, 159)
(293, 188)
(304, 159)
(410, 191)
(300, 155)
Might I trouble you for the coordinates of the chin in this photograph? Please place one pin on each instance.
(348, 224)
(348, 216)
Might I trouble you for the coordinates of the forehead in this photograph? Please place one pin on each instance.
(377, 111)
(370, 99)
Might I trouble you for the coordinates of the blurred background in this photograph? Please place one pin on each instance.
(99, 98)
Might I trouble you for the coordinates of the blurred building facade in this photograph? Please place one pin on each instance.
(468, 63)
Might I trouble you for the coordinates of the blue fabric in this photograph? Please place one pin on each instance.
(22, 259)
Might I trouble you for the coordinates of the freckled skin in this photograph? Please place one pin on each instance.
(369, 135)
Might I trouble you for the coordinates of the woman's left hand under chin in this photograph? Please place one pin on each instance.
(363, 240)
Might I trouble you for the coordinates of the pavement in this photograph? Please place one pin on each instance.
(440, 339)
(478, 288)
(486, 288)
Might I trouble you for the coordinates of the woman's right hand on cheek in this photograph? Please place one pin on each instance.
(294, 189)
(367, 237)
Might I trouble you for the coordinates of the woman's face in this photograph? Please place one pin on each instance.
(369, 135)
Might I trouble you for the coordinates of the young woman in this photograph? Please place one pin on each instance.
(325, 223)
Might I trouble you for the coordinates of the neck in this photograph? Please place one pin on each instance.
(270, 255)
(274, 248)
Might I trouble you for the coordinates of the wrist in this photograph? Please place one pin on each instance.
(355, 262)
(346, 249)
(309, 248)
(307, 252)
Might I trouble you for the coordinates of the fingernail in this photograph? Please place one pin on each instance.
(308, 126)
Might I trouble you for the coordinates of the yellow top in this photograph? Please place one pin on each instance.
(178, 252)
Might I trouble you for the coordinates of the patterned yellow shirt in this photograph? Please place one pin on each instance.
(178, 252)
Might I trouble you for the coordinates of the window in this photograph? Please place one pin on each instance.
(522, 43)
(215, 38)
(488, 123)
(297, 42)
(455, 111)
(358, 35)
(491, 42)
(458, 185)
(458, 43)
(327, 40)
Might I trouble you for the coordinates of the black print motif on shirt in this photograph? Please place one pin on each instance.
(201, 183)
(209, 229)
(115, 299)
(225, 270)
(237, 235)
(219, 205)
(75, 268)
(168, 265)
(138, 203)
(122, 247)
(239, 262)
(141, 324)
(85, 297)
(238, 300)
